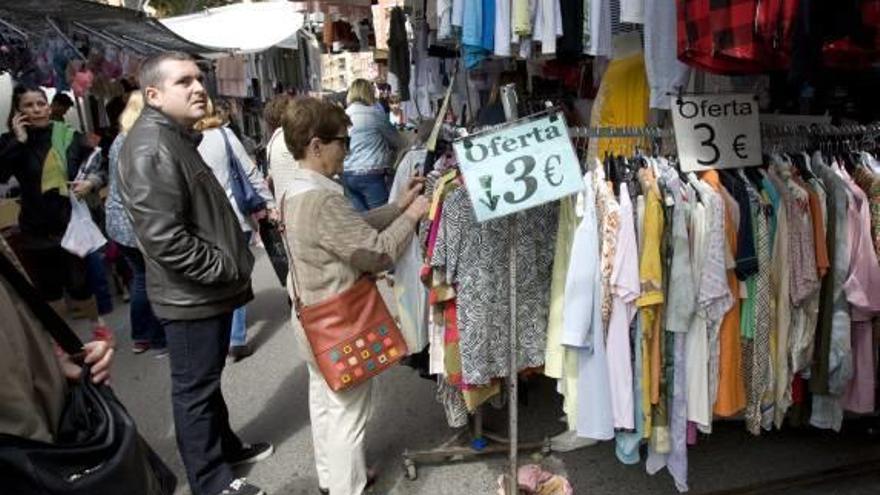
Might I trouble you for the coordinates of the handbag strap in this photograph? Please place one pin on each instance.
(54, 324)
(231, 159)
(297, 302)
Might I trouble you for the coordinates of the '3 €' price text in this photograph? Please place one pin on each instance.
(522, 170)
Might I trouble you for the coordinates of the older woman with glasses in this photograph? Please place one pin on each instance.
(331, 247)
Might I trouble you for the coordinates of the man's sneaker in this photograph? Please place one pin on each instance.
(242, 487)
(251, 453)
(160, 352)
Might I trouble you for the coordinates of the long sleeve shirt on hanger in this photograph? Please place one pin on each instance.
(600, 28)
(633, 11)
(444, 19)
(625, 289)
(522, 18)
(502, 30)
(548, 25)
(571, 44)
(560, 361)
(833, 367)
(583, 327)
(666, 74)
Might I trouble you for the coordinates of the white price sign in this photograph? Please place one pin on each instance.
(518, 167)
(716, 131)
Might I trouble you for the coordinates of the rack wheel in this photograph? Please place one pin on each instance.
(412, 473)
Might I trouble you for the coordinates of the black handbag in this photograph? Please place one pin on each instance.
(274, 244)
(243, 191)
(97, 449)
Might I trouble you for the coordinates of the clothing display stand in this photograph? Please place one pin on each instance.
(775, 136)
(452, 450)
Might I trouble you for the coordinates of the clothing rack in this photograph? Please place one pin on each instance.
(479, 445)
(448, 451)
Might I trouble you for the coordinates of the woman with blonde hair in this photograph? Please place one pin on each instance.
(146, 332)
(374, 144)
(219, 147)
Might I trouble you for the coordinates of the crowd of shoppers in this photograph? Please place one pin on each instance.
(171, 211)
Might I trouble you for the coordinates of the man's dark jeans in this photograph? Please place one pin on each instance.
(197, 349)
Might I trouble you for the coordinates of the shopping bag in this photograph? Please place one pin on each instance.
(274, 244)
(82, 236)
(97, 449)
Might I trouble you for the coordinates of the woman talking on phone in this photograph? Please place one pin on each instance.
(45, 156)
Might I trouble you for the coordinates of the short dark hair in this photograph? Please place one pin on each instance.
(150, 73)
(17, 93)
(62, 99)
(306, 118)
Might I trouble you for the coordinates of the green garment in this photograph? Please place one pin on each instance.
(55, 164)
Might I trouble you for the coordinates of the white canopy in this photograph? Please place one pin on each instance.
(242, 27)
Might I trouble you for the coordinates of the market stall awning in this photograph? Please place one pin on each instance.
(125, 27)
(243, 27)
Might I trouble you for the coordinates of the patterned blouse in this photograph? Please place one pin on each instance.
(476, 257)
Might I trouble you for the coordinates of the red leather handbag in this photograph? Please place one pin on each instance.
(352, 334)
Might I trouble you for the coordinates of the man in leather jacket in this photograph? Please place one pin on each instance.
(197, 262)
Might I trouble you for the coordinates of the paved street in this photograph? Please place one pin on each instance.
(267, 396)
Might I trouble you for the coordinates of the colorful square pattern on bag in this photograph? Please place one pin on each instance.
(363, 355)
(335, 356)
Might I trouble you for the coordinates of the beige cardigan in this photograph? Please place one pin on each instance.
(332, 245)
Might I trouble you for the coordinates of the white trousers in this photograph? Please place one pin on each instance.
(339, 423)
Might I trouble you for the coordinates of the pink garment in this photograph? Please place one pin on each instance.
(859, 396)
(863, 283)
(863, 293)
(692, 434)
(625, 288)
(533, 480)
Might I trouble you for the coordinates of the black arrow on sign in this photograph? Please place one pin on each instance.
(492, 203)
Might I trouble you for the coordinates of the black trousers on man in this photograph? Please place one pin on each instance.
(197, 349)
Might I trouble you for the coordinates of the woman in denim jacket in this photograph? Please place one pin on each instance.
(374, 145)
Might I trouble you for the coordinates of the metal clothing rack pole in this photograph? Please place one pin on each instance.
(509, 103)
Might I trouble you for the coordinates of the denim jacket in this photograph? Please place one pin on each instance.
(374, 140)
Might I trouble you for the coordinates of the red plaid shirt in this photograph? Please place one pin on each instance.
(735, 36)
(871, 19)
